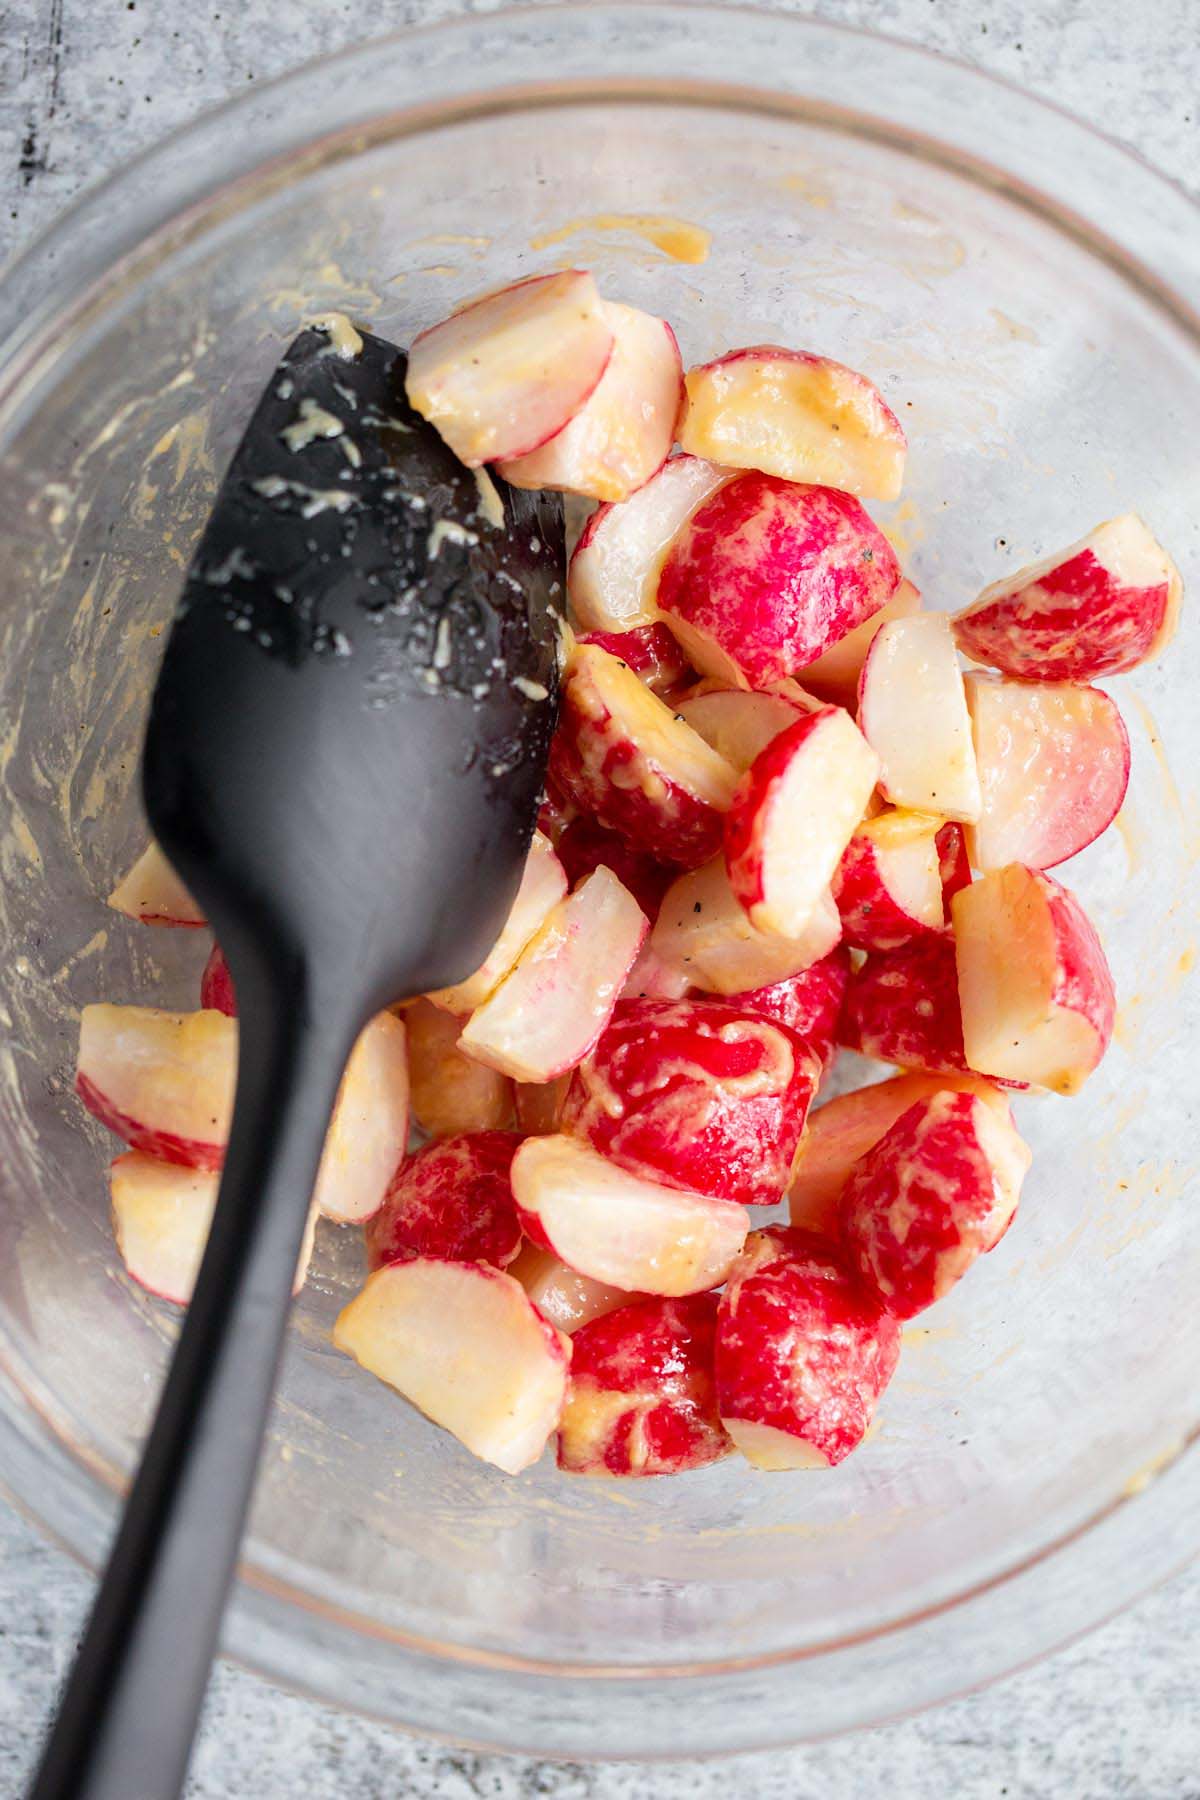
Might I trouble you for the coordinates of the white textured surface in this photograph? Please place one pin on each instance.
(84, 83)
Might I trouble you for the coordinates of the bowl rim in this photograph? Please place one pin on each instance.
(98, 248)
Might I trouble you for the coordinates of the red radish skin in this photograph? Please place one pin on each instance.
(643, 1395)
(835, 675)
(792, 816)
(1037, 994)
(1053, 764)
(623, 432)
(796, 415)
(506, 372)
(452, 1200)
(163, 1146)
(808, 1003)
(465, 1344)
(650, 651)
(623, 758)
(449, 1091)
(888, 885)
(953, 862)
(618, 1228)
(153, 894)
(704, 930)
(843, 1130)
(613, 574)
(697, 1096)
(767, 574)
(804, 1351)
(937, 1191)
(585, 846)
(1103, 606)
(216, 985)
(902, 1007)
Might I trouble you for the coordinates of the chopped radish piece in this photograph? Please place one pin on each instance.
(546, 1015)
(953, 862)
(153, 894)
(835, 675)
(842, 1131)
(450, 1092)
(793, 815)
(799, 416)
(1038, 1001)
(739, 725)
(510, 370)
(888, 886)
(216, 985)
(650, 651)
(618, 1228)
(564, 1296)
(162, 1081)
(704, 930)
(621, 435)
(936, 1191)
(612, 581)
(767, 574)
(1053, 769)
(643, 1399)
(539, 1105)
(653, 978)
(465, 1344)
(1105, 605)
(913, 711)
(162, 1213)
(622, 755)
(543, 885)
(809, 1002)
(451, 1200)
(902, 1007)
(804, 1351)
(585, 846)
(694, 1094)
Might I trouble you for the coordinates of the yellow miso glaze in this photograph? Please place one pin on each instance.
(675, 238)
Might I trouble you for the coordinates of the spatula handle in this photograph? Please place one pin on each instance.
(125, 1725)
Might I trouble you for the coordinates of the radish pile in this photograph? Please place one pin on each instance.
(779, 820)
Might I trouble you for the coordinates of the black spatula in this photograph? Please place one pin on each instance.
(345, 751)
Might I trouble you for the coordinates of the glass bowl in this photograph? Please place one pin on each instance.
(1023, 291)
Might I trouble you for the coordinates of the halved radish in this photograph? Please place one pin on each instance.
(1053, 763)
(161, 1216)
(902, 1007)
(913, 712)
(449, 1091)
(510, 370)
(164, 1082)
(738, 724)
(619, 1228)
(767, 574)
(704, 930)
(834, 676)
(1108, 603)
(796, 415)
(585, 846)
(546, 1015)
(1037, 994)
(153, 894)
(612, 580)
(622, 756)
(808, 1002)
(888, 885)
(543, 884)
(794, 812)
(650, 651)
(567, 1298)
(625, 428)
(453, 1199)
(843, 1130)
(465, 1344)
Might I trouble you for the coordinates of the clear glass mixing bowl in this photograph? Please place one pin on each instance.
(1022, 289)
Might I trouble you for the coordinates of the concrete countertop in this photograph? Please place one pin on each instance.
(84, 84)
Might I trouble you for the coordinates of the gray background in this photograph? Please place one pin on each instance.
(85, 83)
